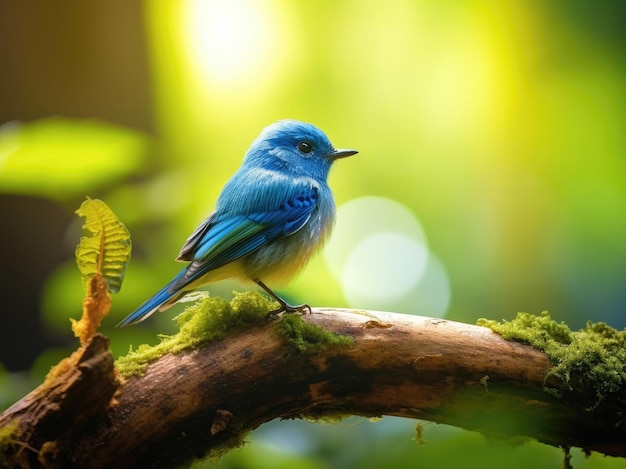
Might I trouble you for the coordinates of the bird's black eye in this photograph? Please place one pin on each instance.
(305, 147)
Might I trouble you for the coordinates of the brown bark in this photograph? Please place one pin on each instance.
(205, 400)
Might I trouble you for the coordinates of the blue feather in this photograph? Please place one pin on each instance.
(151, 305)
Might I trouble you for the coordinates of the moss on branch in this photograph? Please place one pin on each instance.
(206, 320)
(211, 318)
(590, 364)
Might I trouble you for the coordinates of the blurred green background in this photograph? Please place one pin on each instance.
(490, 178)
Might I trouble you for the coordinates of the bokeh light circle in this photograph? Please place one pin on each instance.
(384, 266)
(365, 216)
(380, 256)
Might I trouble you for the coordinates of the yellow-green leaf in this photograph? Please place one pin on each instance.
(107, 252)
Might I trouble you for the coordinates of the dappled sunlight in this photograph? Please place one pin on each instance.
(232, 43)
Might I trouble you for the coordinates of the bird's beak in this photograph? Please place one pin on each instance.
(341, 153)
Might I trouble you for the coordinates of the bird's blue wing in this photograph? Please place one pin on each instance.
(221, 240)
(186, 252)
(216, 242)
(254, 216)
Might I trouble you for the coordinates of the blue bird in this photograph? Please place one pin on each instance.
(271, 216)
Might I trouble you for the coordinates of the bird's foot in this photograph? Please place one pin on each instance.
(284, 306)
(289, 309)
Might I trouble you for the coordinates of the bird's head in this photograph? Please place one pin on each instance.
(296, 147)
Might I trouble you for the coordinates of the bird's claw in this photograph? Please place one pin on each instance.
(289, 309)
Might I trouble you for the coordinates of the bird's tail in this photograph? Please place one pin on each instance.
(160, 301)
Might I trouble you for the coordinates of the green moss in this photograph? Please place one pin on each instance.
(204, 321)
(542, 332)
(211, 318)
(590, 363)
(238, 439)
(9, 437)
(303, 336)
(567, 459)
(419, 433)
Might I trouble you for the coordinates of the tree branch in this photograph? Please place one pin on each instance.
(206, 400)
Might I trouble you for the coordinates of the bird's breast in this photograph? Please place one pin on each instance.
(281, 259)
